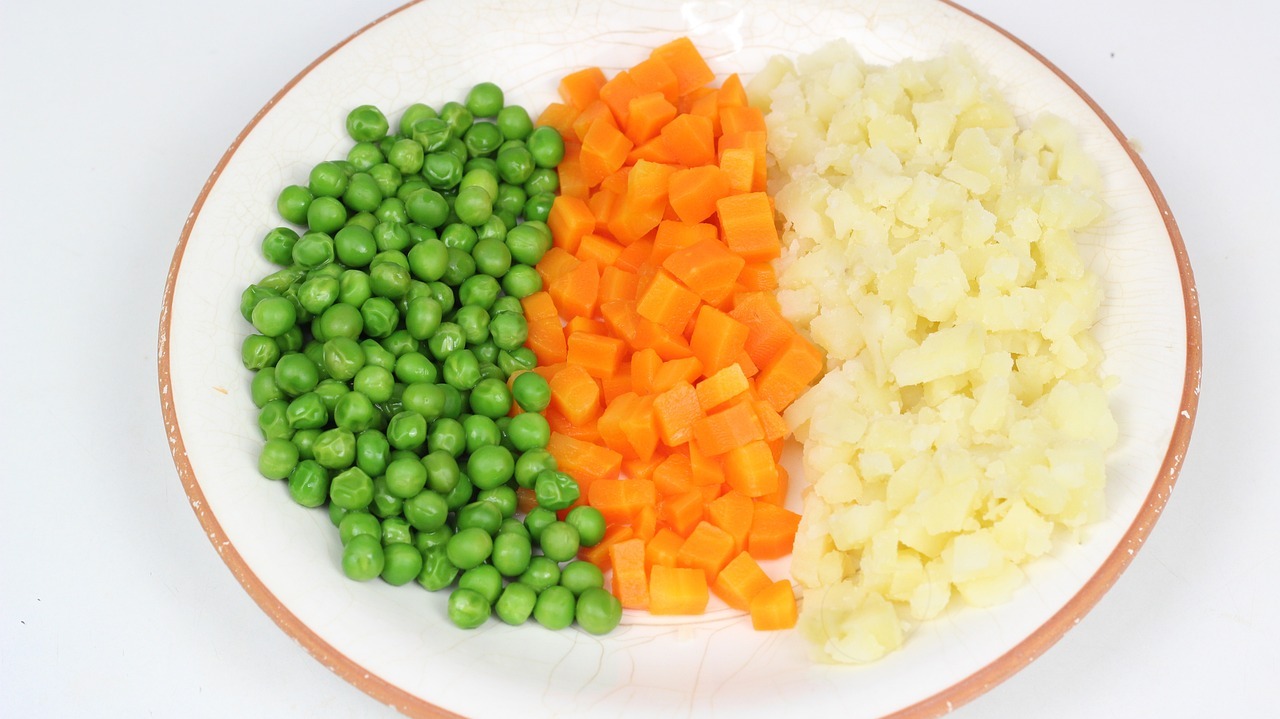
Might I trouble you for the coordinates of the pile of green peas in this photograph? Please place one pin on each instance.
(382, 357)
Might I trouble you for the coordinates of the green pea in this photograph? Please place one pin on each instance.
(304, 440)
(295, 374)
(509, 330)
(532, 463)
(447, 434)
(510, 199)
(290, 341)
(293, 202)
(458, 236)
(362, 156)
(542, 574)
(354, 412)
(542, 181)
(513, 525)
(515, 165)
(356, 523)
(406, 477)
(516, 603)
(468, 609)
(309, 483)
(531, 391)
(277, 245)
(490, 466)
(426, 511)
(529, 431)
(406, 156)
(492, 258)
(482, 138)
(491, 397)
(495, 228)
(326, 214)
(373, 452)
(546, 146)
(384, 504)
(388, 179)
(485, 100)
(388, 236)
(363, 558)
(474, 321)
(469, 547)
(461, 369)
(485, 580)
(448, 338)
(559, 541)
(480, 432)
(555, 490)
(364, 193)
(317, 294)
(473, 206)
(458, 117)
(427, 207)
(263, 388)
(351, 489)
(366, 123)
(511, 554)
(589, 522)
(388, 281)
(442, 470)
(259, 352)
(506, 304)
(514, 122)
(487, 353)
(460, 495)
(401, 564)
(526, 244)
(407, 430)
(578, 576)
(479, 290)
(442, 293)
(521, 281)
(437, 571)
(414, 367)
(432, 133)
(335, 449)
(274, 284)
(274, 316)
(554, 608)
(539, 206)
(426, 541)
(343, 319)
(314, 351)
(412, 114)
(307, 411)
(395, 530)
(343, 358)
(483, 515)
(504, 498)
(424, 398)
(442, 170)
(598, 611)
(375, 355)
(312, 250)
(459, 267)
(278, 458)
(537, 520)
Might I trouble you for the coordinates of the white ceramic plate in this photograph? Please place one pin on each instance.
(395, 643)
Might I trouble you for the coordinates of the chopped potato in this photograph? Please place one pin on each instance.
(929, 250)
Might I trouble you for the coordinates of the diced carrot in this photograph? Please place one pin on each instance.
(559, 116)
(741, 119)
(569, 220)
(636, 468)
(667, 302)
(584, 324)
(575, 395)
(621, 319)
(619, 384)
(725, 384)
(585, 432)
(708, 267)
(774, 607)
(758, 277)
(708, 548)
(641, 428)
(740, 581)
(677, 590)
(587, 117)
(648, 114)
(635, 255)
(732, 512)
(641, 208)
(731, 427)
(756, 142)
(597, 354)
(732, 93)
(751, 469)
(789, 372)
(630, 585)
(691, 139)
(738, 166)
(682, 512)
(778, 497)
(572, 181)
(644, 365)
(599, 554)
(546, 338)
(556, 263)
(768, 330)
(690, 69)
(581, 88)
(707, 470)
(617, 182)
(645, 525)
(604, 150)
(616, 284)
(674, 236)
(617, 94)
(676, 412)
(695, 191)
(577, 291)
(744, 361)
(619, 499)
(775, 427)
(684, 370)
(662, 549)
(717, 339)
(773, 531)
(748, 227)
(654, 149)
(673, 476)
(584, 460)
(653, 75)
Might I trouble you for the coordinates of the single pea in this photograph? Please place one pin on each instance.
(407, 430)
(538, 207)
(290, 341)
(448, 435)
(511, 554)
(307, 411)
(259, 352)
(513, 525)
(516, 603)
(292, 204)
(428, 260)
(363, 558)
(531, 391)
(546, 146)
(526, 244)
(442, 293)
(492, 258)
(480, 432)
(364, 193)
(529, 431)
(375, 355)
(460, 495)
(554, 608)
(485, 100)
(495, 228)
(373, 452)
(490, 466)
(491, 397)
(414, 367)
(482, 138)
(309, 483)
(459, 267)
(578, 576)
(425, 398)
(384, 504)
(458, 236)
(395, 530)
(454, 401)
(318, 293)
(277, 245)
(263, 387)
(479, 290)
(474, 321)
(489, 370)
(445, 341)
(335, 449)
(343, 358)
(362, 219)
(538, 519)
(598, 611)
(442, 170)
(461, 369)
(487, 353)
(482, 515)
(312, 250)
(432, 133)
(521, 281)
(406, 477)
(469, 547)
(515, 165)
(354, 412)
(326, 214)
(401, 564)
(273, 285)
(542, 574)
(330, 391)
(374, 381)
(274, 316)
(442, 471)
(589, 522)
(555, 490)
(426, 541)
(532, 463)
(437, 571)
(426, 511)
(559, 541)
(364, 155)
(468, 609)
(366, 123)
(278, 458)
(457, 117)
(351, 489)
(388, 179)
(503, 497)
(510, 198)
(359, 522)
(304, 440)
(413, 113)
(514, 122)
(428, 208)
(314, 351)
(296, 374)
(509, 330)
(406, 156)
(389, 236)
(473, 205)
(485, 580)
(542, 181)
(388, 281)
(456, 147)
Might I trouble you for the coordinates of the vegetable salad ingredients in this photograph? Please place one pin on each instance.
(390, 352)
(928, 248)
(667, 359)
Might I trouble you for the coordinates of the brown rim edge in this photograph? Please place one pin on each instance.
(941, 703)
(325, 653)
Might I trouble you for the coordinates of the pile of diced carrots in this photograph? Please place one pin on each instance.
(668, 358)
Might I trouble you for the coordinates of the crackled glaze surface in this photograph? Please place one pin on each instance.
(395, 643)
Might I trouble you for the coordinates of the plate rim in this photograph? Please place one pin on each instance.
(974, 685)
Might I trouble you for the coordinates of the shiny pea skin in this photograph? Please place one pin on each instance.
(402, 564)
(363, 558)
(437, 571)
(554, 608)
(351, 489)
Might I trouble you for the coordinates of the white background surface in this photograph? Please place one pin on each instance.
(112, 602)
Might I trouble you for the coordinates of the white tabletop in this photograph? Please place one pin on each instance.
(113, 603)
